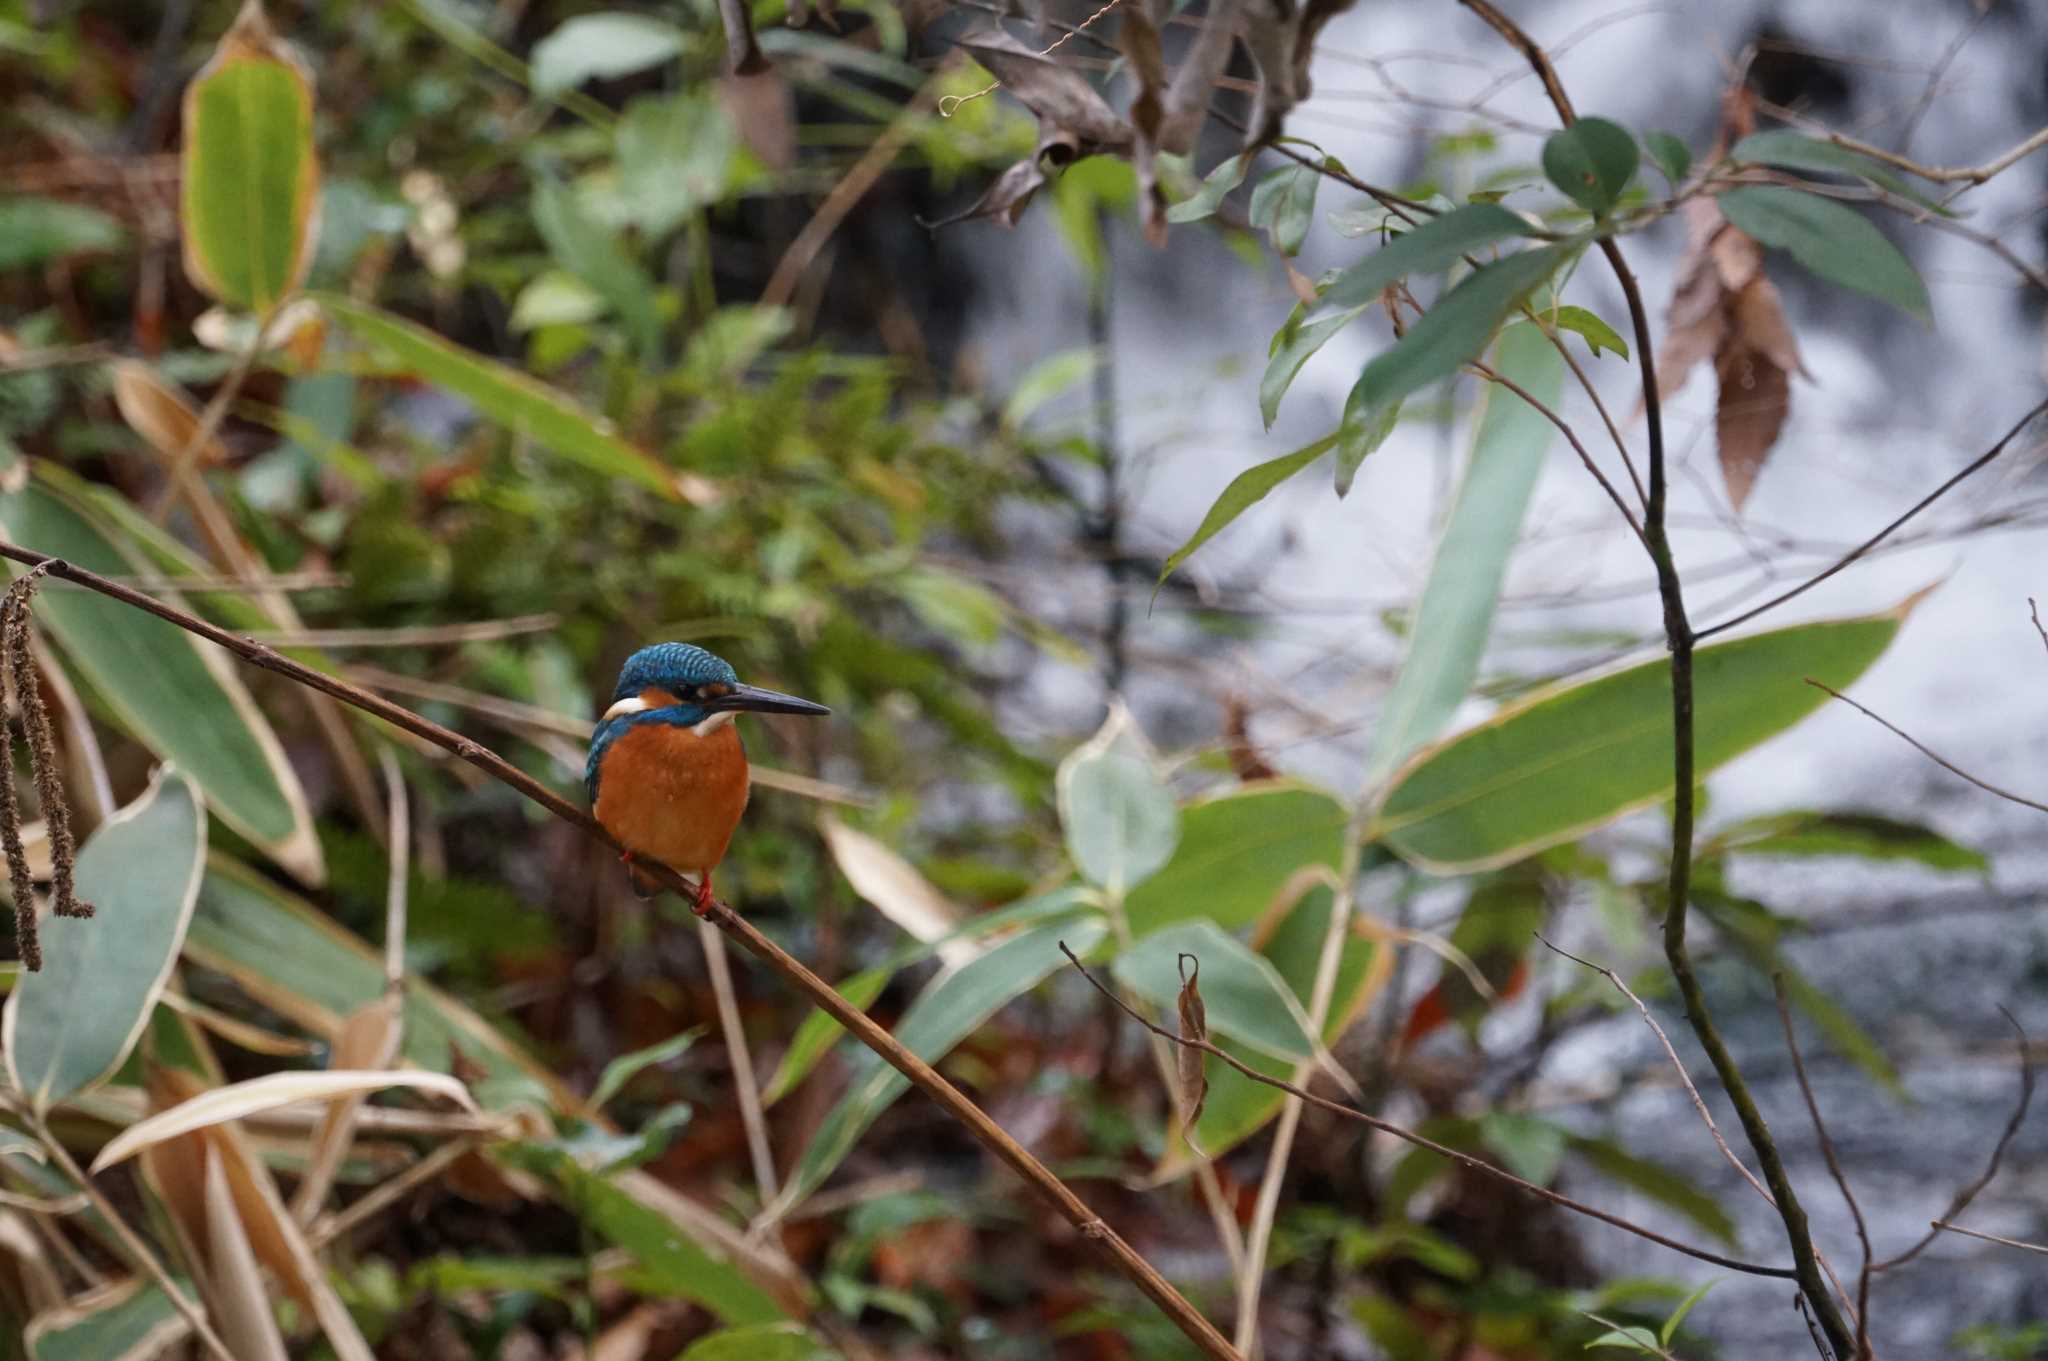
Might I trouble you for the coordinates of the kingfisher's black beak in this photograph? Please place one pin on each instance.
(753, 699)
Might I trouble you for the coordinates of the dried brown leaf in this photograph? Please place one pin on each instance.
(1005, 200)
(161, 414)
(1139, 40)
(1188, 1061)
(763, 108)
(236, 1296)
(29, 1283)
(1186, 106)
(1754, 398)
(1061, 98)
(368, 1040)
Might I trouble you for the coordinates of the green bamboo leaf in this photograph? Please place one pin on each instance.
(762, 1342)
(1660, 1183)
(1457, 327)
(1246, 490)
(250, 181)
(140, 870)
(1672, 1324)
(1245, 995)
(952, 1007)
(36, 230)
(813, 1039)
(590, 252)
(602, 46)
(1216, 187)
(1866, 836)
(1592, 161)
(180, 697)
(626, 1067)
(1831, 239)
(502, 394)
(1797, 151)
(1455, 617)
(1293, 347)
(672, 1265)
(1431, 247)
(129, 1320)
(1236, 852)
(1574, 757)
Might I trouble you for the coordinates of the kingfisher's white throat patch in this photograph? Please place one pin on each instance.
(714, 723)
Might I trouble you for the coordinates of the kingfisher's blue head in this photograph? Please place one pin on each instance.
(680, 684)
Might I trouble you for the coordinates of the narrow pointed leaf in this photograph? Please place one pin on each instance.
(72, 1025)
(1297, 344)
(1431, 247)
(502, 394)
(1457, 326)
(249, 177)
(127, 1320)
(1831, 239)
(1797, 151)
(1455, 617)
(1246, 490)
(178, 696)
(951, 1008)
(1560, 763)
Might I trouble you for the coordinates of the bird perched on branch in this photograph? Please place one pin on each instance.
(667, 776)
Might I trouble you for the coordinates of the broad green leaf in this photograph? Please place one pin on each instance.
(129, 1320)
(1574, 757)
(762, 1342)
(1457, 326)
(815, 1036)
(1797, 151)
(1672, 1324)
(1245, 995)
(1237, 1107)
(1365, 428)
(1284, 203)
(1455, 616)
(1531, 1147)
(673, 1265)
(1120, 820)
(1431, 247)
(952, 1007)
(1215, 188)
(1246, 490)
(1292, 348)
(1865, 836)
(591, 253)
(250, 182)
(1598, 334)
(555, 298)
(502, 394)
(1831, 239)
(1592, 161)
(36, 230)
(677, 156)
(1672, 156)
(1237, 851)
(1658, 1182)
(178, 696)
(70, 1026)
(626, 1067)
(602, 46)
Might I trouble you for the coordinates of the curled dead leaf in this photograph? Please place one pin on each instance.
(162, 414)
(1189, 1067)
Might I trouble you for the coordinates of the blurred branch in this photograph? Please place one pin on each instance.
(745, 1088)
(1969, 1193)
(1992, 1238)
(921, 1074)
(1934, 756)
(1441, 1150)
(1827, 1151)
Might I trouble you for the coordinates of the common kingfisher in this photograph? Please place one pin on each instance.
(667, 776)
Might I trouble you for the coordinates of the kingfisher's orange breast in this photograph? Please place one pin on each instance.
(674, 795)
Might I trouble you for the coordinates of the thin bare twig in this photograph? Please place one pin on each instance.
(1493, 376)
(921, 1074)
(744, 1086)
(1969, 1193)
(2034, 612)
(1934, 756)
(1827, 1151)
(1410, 1136)
(1992, 1238)
(1975, 465)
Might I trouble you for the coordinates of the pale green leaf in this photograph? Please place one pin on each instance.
(1364, 429)
(1864, 836)
(587, 250)
(1457, 326)
(36, 230)
(1045, 380)
(1598, 334)
(1574, 757)
(602, 46)
(626, 1067)
(1236, 852)
(1671, 1324)
(1430, 247)
(1662, 1184)
(762, 1342)
(1120, 819)
(1292, 348)
(1831, 239)
(140, 870)
(1531, 1147)
(1635, 1339)
(1215, 188)
(1284, 203)
(1455, 616)
(1246, 490)
(1246, 998)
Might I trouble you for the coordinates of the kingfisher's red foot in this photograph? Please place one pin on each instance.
(701, 905)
